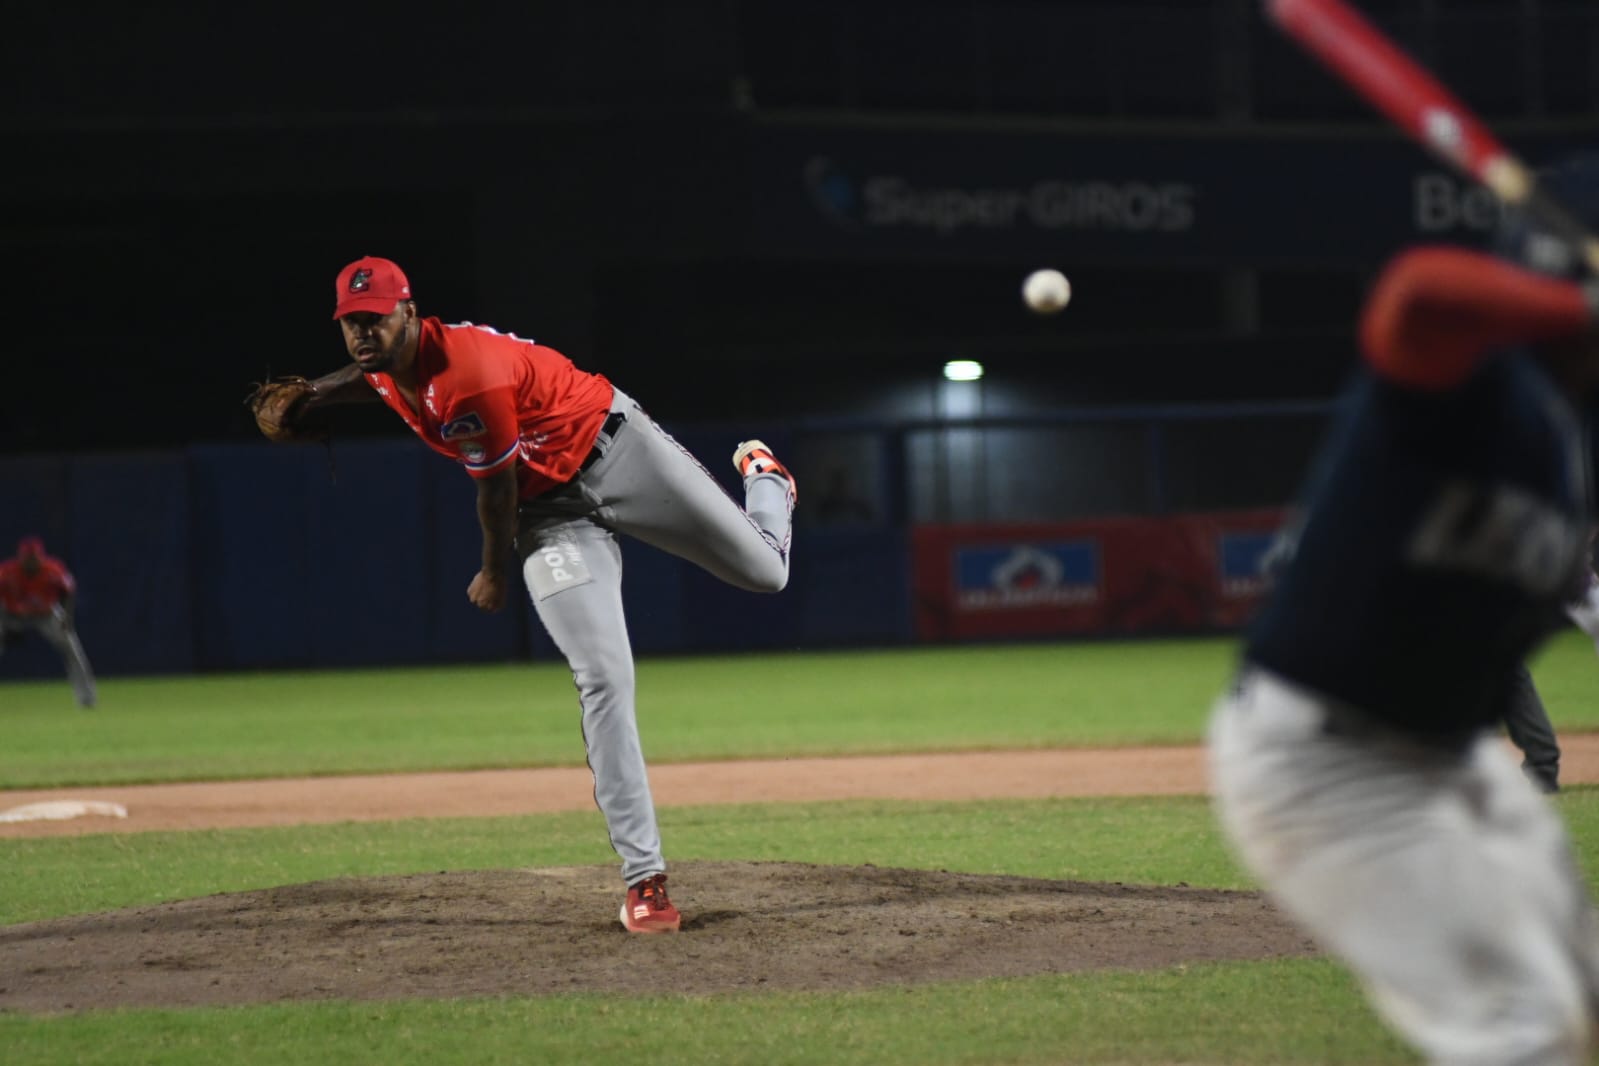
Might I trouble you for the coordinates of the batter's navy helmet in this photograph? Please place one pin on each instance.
(1573, 183)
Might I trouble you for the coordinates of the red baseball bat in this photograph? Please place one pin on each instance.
(1399, 87)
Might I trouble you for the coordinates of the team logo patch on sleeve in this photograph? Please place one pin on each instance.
(473, 452)
(468, 425)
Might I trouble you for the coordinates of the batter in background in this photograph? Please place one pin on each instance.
(38, 594)
(564, 463)
(1356, 764)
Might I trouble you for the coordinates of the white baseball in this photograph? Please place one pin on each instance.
(1047, 291)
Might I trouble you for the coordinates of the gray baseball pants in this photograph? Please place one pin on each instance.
(1443, 878)
(644, 485)
(56, 628)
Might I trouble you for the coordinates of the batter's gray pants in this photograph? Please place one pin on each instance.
(646, 486)
(56, 628)
(1441, 877)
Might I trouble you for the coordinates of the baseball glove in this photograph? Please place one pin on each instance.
(278, 406)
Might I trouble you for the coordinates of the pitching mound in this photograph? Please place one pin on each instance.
(780, 926)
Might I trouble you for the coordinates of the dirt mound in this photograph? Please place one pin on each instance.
(536, 932)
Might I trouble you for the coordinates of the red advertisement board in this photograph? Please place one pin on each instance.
(1173, 573)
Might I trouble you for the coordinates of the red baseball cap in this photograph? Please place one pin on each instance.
(370, 284)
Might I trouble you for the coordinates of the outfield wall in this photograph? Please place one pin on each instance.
(228, 557)
(243, 556)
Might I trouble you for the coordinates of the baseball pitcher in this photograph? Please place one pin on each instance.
(564, 463)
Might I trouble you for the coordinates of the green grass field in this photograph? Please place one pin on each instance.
(1300, 1011)
(290, 724)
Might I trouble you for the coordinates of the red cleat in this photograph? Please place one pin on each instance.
(647, 908)
(753, 457)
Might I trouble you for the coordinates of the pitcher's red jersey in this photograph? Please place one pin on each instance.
(490, 399)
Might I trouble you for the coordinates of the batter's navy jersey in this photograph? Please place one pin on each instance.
(1441, 529)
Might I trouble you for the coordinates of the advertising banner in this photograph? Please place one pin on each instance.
(1173, 573)
(829, 189)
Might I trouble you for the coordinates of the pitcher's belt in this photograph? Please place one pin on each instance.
(608, 431)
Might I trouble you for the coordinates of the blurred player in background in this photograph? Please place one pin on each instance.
(564, 462)
(1356, 765)
(37, 595)
(1528, 726)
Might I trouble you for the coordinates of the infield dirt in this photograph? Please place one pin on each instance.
(748, 926)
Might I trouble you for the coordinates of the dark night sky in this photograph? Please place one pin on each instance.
(182, 188)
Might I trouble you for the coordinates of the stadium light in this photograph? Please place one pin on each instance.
(963, 370)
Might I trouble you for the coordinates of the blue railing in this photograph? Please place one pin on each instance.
(253, 556)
